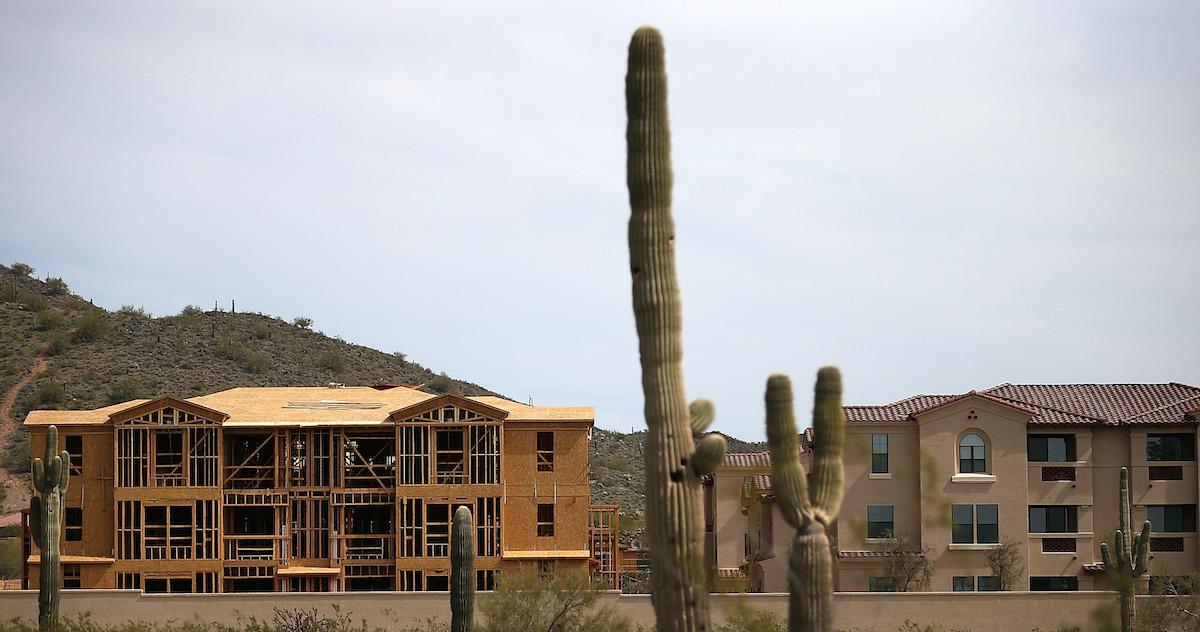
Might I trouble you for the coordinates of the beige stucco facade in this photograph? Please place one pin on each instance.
(1074, 492)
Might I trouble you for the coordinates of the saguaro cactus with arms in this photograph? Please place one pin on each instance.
(50, 477)
(1132, 558)
(809, 510)
(675, 461)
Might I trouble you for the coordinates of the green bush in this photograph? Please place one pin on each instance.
(565, 602)
(248, 359)
(303, 322)
(124, 390)
(56, 286)
(743, 618)
(262, 331)
(332, 362)
(441, 384)
(32, 301)
(90, 326)
(48, 395)
(49, 319)
(191, 311)
(57, 343)
(130, 310)
(21, 269)
(10, 558)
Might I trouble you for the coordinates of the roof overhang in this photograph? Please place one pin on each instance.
(443, 400)
(974, 395)
(560, 554)
(163, 402)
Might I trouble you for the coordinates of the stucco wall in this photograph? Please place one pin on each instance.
(861, 612)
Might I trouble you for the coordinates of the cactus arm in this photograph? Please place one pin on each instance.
(1104, 555)
(829, 426)
(462, 571)
(788, 478)
(39, 475)
(54, 468)
(702, 413)
(709, 454)
(1142, 551)
(65, 477)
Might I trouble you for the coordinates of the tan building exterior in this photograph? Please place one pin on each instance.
(961, 474)
(322, 489)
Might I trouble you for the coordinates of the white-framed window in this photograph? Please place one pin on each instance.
(972, 454)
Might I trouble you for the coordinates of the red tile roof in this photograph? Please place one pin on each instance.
(748, 459)
(1092, 404)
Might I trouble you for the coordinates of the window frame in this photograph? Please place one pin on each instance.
(76, 455)
(873, 533)
(981, 532)
(545, 524)
(1070, 448)
(545, 456)
(880, 459)
(881, 584)
(1187, 446)
(977, 464)
(1070, 518)
(1186, 519)
(73, 532)
(962, 583)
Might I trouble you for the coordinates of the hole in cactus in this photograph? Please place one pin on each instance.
(677, 475)
(636, 270)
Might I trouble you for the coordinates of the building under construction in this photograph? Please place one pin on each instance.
(322, 489)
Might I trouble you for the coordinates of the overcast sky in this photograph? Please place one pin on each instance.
(934, 196)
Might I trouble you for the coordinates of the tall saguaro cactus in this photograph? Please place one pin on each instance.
(50, 477)
(809, 510)
(674, 460)
(1132, 558)
(462, 571)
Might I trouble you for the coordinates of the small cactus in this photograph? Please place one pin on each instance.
(809, 511)
(50, 478)
(675, 460)
(462, 571)
(1132, 558)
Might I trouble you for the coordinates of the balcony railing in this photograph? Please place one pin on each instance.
(1166, 545)
(253, 547)
(1058, 545)
(367, 547)
(1166, 472)
(1057, 473)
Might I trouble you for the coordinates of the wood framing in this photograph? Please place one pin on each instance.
(324, 489)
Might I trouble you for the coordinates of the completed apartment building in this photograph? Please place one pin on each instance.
(1037, 464)
(320, 489)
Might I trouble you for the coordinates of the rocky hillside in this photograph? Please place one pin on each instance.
(57, 350)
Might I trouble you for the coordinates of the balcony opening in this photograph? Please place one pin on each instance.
(250, 533)
(251, 461)
(451, 456)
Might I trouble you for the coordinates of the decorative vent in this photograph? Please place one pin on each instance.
(1058, 545)
(1166, 544)
(1058, 473)
(1166, 472)
(328, 404)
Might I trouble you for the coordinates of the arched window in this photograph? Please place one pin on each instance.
(972, 454)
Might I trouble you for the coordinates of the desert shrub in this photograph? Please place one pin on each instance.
(262, 331)
(399, 355)
(441, 384)
(191, 311)
(21, 269)
(57, 343)
(248, 359)
(743, 618)
(56, 286)
(565, 602)
(32, 301)
(331, 361)
(49, 319)
(90, 326)
(303, 322)
(48, 395)
(124, 390)
(130, 310)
